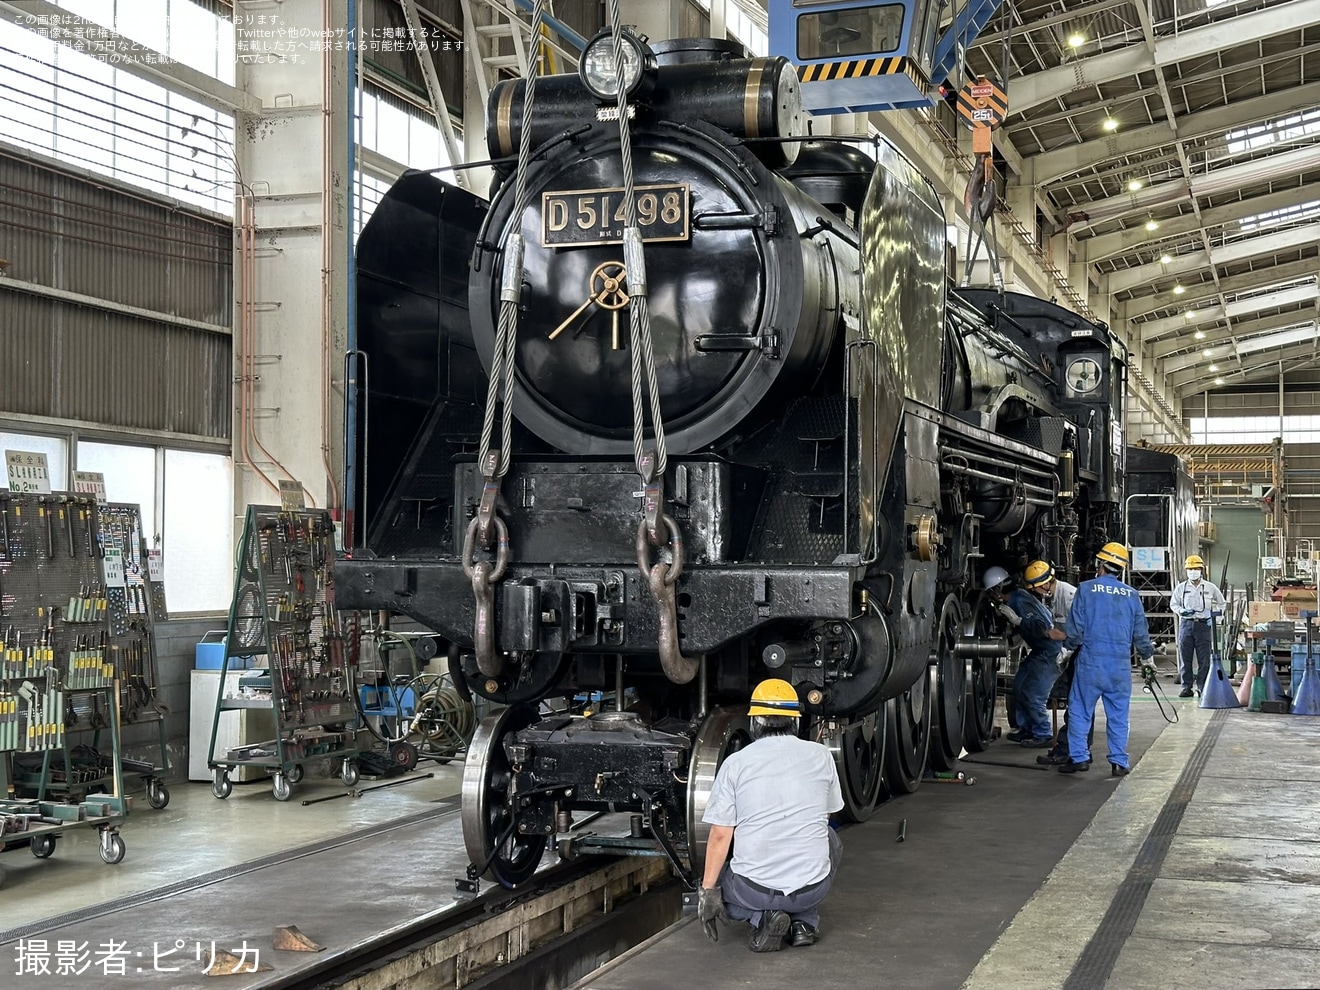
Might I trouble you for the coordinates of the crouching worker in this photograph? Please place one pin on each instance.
(774, 797)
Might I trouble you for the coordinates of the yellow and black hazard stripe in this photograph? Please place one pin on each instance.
(982, 104)
(860, 69)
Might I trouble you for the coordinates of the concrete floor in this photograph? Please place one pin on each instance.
(198, 834)
(1005, 884)
(1002, 884)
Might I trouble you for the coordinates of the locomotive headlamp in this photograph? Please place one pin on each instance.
(599, 72)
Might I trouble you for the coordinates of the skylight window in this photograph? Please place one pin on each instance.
(1290, 128)
(1282, 216)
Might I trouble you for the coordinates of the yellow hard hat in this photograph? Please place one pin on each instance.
(1113, 553)
(1038, 572)
(1194, 561)
(775, 697)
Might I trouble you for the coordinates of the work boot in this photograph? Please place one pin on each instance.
(1018, 735)
(801, 934)
(1116, 771)
(1073, 767)
(1037, 743)
(1186, 692)
(768, 936)
(1052, 759)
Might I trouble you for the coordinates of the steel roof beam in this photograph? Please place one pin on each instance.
(1209, 39)
(1259, 170)
(1192, 382)
(1152, 329)
(1197, 296)
(1248, 247)
(1103, 246)
(1061, 162)
(1224, 336)
(1220, 357)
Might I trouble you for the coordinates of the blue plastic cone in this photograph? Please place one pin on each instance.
(1217, 692)
(1273, 689)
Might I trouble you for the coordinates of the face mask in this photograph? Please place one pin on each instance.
(1193, 575)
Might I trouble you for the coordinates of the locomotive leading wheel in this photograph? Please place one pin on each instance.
(859, 756)
(487, 818)
(725, 731)
(982, 682)
(950, 699)
(908, 738)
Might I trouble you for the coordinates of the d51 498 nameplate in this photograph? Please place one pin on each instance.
(595, 216)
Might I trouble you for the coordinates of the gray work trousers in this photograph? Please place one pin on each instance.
(747, 901)
(1194, 643)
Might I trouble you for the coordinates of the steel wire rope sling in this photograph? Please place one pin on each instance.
(657, 529)
(487, 530)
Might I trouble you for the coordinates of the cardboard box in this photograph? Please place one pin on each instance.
(1295, 595)
(1264, 612)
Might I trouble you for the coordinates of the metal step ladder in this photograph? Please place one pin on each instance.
(497, 37)
(965, 29)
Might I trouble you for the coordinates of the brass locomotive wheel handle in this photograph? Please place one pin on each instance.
(610, 275)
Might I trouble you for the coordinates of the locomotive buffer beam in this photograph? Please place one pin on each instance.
(606, 608)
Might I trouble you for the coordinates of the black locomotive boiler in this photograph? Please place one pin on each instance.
(848, 443)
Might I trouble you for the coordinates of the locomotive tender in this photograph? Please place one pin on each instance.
(850, 442)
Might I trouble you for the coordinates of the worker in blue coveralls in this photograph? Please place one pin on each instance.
(1040, 667)
(1106, 623)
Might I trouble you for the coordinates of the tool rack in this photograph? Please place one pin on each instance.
(54, 664)
(283, 610)
(98, 600)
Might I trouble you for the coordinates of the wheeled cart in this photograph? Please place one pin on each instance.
(283, 620)
(40, 824)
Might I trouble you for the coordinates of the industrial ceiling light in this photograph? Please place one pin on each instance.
(1152, 224)
(1206, 352)
(1219, 381)
(1199, 335)
(1214, 367)
(1179, 289)
(1076, 39)
(1165, 259)
(1191, 315)
(1109, 124)
(1134, 184)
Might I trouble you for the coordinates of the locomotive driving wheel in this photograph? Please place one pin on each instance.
(908, 738)
(859, 756)
(489, 827)
(950, 689)
(982, 682)
(724, 731)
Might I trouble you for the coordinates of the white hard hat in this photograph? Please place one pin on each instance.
(994, 577)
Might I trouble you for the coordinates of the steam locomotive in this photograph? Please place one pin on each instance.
(849, 443)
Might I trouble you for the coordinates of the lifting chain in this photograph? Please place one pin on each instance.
(656, 530)
(487, 530)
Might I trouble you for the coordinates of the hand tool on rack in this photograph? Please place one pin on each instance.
(66, 513)
(42, 513)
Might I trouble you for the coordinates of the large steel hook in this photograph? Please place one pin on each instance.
(663, 579)
(484, 576)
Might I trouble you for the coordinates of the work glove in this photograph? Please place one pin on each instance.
(1009, 615)
(710, 908)
(1186, 613)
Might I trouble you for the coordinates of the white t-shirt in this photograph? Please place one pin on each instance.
(1064, 593)
(778, 794)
